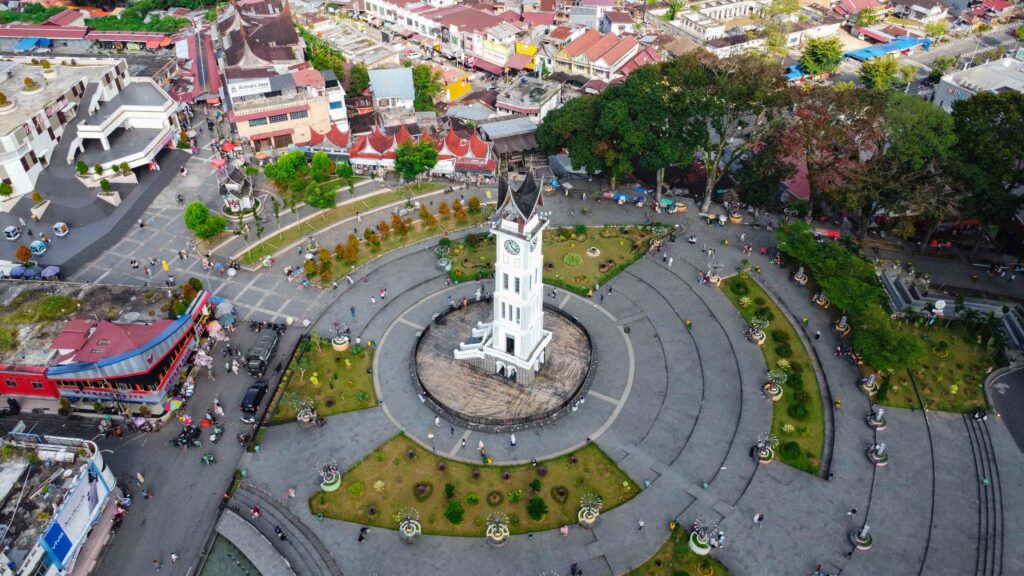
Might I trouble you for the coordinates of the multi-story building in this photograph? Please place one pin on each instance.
(615, 22)
(132, 361)
(708, 19)
(921, 11)
(589, 13)
(275, 111)
(131, 119)
(530, 97)
(1003, 75)
(596, 55)
(58, 513)
(726, 46)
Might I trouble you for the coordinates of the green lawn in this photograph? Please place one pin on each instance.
(567, 262)
(675, 558)
(336, 382)
(801, 437)
(271, 244)
(386, 481)
(951, 376)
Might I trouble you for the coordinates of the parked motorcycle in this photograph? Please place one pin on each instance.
(209, 458)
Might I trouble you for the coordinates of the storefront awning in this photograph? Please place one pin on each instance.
(519, 61)
(26, 44)
(491, 67)
(152, 44)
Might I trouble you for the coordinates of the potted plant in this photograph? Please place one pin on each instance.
(590, 510)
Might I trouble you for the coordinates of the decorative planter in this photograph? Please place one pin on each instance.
(765, 456)
(773, 391)
(445, 264)
(800, 278)
(869, 386)
(736, 218)
(821, 301)
(861, 542)
(876, 423)
(715, 279)
(842, 329)
(588, 517)
(497, 536)
(331, 484)
(758, 337)
(9, 107)
(698, 545)
(49, 73)
(409, 531)
(112, 198)
(876, 459)
(340, 344)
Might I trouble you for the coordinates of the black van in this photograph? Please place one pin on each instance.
(258, 357)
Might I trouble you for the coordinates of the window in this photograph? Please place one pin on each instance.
(37, 385)
(278, 118)
(11, 383)
(298, 115)
(519, 319)
(337, 105)
(517, 285)
(502, 310)
(504, 281)
(257, 122)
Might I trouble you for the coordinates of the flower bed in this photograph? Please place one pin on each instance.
(336, 382)
(477, 490)
(675, 557)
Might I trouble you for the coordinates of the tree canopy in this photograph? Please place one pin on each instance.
(321, 54)
(885, 73)
(411, 159)
(203, 224)
(821, 55)
(358, 79)
(427, 84)
(319, 196)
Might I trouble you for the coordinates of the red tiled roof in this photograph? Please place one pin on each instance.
(855, 6)
(271, 134)
(510, 16)
(402, 135)
(518, 61)
(799, 184)
(998, 6)
(455, 145)
(40, 31)
(108, 339)
(466, 165)
(646, 56)
(337, 137)
(380, 141)
(487, 66)
(581, 44)
(598, 49)
(618, 51)
(539, 18)
(63, 18)
(477, 147)
(560, 33)
(874, 34)
(308, 77)
(119, 36)
(315, 139)
(616, 17)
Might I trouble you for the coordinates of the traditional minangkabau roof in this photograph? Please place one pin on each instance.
(525, 196)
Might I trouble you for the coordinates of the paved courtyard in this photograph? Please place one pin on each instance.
(678, 409)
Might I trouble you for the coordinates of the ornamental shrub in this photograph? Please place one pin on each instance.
(536, 508)
(356, 489)
(801, 397)
(739, 288)
(784, 350)
(449, 491)
(455, 512)
(766, 312)
(798, 412)
(780, 336)
(535, 485)
(791, 450)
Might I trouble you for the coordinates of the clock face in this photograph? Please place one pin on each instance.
(512, 247)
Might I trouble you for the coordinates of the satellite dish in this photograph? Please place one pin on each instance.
(940, 304)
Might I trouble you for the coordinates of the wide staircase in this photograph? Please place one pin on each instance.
(990, 499)
(302, 548)
(138, 201)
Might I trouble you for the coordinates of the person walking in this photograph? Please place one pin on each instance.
(174, 558)
(670, 260)
(453, 430)
(817, 334)
(352, 309)
(158, 565)
(437, 421)
(463, 442)
(139, 478)
(759, 520)
(852, 512)
(574, 569)
(639, 525)
(512, 440)
(373, 300)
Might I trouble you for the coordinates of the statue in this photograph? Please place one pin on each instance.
(877, 455)
(409, 528)
(590, 509)
(800, 277)
(330, 478)
(862, 538)
(704, 531)
(764, 448)
(497, 529)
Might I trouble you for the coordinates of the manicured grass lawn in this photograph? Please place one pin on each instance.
(336, 382)
(675, 557)
(386, 480)
(566, 261)
(271, 244)
(801, 438)
(951, 376)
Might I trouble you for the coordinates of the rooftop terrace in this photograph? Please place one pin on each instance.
(12, 84)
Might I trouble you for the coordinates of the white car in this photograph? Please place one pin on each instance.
(12, 233)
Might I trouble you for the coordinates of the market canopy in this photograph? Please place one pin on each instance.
(51, 271)
(228, 147)
(26, 44)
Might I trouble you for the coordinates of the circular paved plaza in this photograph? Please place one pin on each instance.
(677, 409)
(484, 400)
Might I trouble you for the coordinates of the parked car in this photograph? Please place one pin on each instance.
(254, 396)
(12, 233)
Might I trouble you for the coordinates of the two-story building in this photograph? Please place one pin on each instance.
(920, 11)
(615, 22)
(1003, 75)
(596, 55)
(530, 97)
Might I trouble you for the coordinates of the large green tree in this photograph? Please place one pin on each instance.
(988, 152)
(867, 17)
(586, 129)
(358, 79)
(821, 55)
(763, 171)
(730, 104)
(201, 222)
(411, 159)
(427, 84)
(885, 73)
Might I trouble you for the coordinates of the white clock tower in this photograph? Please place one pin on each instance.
(513, 344)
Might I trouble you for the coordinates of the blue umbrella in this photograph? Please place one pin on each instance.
(51, 271)
(17, 272)
(34, 272)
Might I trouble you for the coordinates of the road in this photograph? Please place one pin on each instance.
(967, 46)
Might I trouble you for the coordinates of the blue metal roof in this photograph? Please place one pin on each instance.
(794, 73)
(26, 44)
(897, 45)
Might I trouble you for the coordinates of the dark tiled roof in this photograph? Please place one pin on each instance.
(524, 195)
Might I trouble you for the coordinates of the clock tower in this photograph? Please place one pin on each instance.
(513, 343)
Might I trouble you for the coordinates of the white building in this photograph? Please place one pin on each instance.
(921, 11)
(530, 97)
(513, 343)
(36, 116)
(76, 503)
(707, 19)
(1005, 74)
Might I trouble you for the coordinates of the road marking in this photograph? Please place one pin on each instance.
(412, 324)
(458, 444)
(564, 301)
(600, 396)
(102, 276)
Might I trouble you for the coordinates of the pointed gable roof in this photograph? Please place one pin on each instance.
(525, 196)
(337, 137)
(580, 45)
